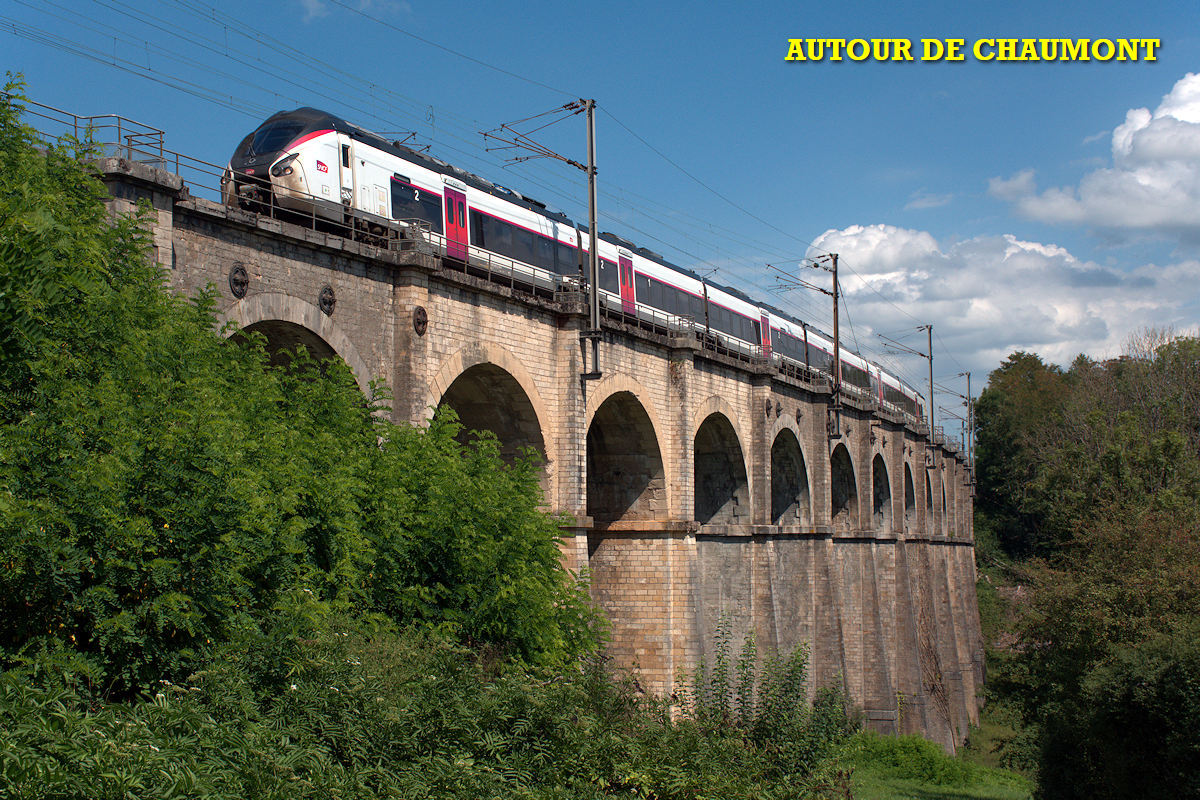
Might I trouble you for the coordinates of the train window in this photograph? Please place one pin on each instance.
(477, 235)
(543, 255)
(788, 345)
(855, 376)
(608, 277)
(409, 202)
(820, 359)
(566, 259)
(346, 155)
(658, 297)
(272, 138)
(642, 287)
(462, 214)
(522, 245)
(502, 238)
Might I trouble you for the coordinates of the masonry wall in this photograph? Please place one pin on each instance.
(883, 594)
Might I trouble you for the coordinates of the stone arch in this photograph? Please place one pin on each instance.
(626, 479)
(488, 398)
(881, 495)
(715, 404)
(910, 501)
(791, 503)
(490, 389)
(287, 321)
(722, 490)
(843, 495)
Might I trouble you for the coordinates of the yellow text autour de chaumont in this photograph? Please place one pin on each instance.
(979, 49)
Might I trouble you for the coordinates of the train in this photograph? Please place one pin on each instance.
(312, 163)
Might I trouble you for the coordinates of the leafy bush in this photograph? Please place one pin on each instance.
(366, 712)
(913, 758)
(160, 484)
(766, 703)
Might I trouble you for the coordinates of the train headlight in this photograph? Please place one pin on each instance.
(283, 166)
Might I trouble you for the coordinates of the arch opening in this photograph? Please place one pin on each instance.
(910, 501)
(790, 502)
(625, 476)
(722, 490)
(843, 497)
(487, 398)
(881, 495)
(945, 512)
(930, 514)
(284, 338)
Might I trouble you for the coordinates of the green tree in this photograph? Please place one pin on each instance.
(1023, 397)
(161, 486)
(1105, 668)
(1108, 672)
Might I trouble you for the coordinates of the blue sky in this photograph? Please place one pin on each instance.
(1031, 206)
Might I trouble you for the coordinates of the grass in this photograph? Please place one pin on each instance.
(911, 768)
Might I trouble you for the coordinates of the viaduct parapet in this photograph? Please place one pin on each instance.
(701, 484)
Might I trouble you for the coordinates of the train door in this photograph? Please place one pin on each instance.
(456, 224)
(625, 272)
(346, 168)
(766, 336)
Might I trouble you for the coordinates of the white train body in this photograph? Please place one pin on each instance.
(312, 163)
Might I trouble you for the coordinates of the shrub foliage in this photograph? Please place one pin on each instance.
(221, 577)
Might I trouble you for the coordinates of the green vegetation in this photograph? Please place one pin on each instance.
(1095, 471)
(227, 579)
(371, 712)
(161, 486)
(911, 767)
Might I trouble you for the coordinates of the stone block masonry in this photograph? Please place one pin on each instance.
(699, 485)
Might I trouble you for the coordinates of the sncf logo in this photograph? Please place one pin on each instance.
(321, 167)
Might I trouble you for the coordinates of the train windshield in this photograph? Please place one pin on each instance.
(272, 137)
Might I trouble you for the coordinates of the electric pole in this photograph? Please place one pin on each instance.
(793, 282)
(515, 140)
(593, 332)
(903, 348)
(929, 330)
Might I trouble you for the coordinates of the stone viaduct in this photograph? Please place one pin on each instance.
(699, 485)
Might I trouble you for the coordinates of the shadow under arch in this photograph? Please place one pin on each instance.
(910, 501)
(881, 495)
(722, 491)
(843, 495)
(945, 511)
(488, 398)
(790, 500)
(288, 321)
(930, 511)
(625, 475)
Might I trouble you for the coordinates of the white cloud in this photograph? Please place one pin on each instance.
(313, 9)
(1153, 184)
(921, 199)
(1020, 185)
(991, 295)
